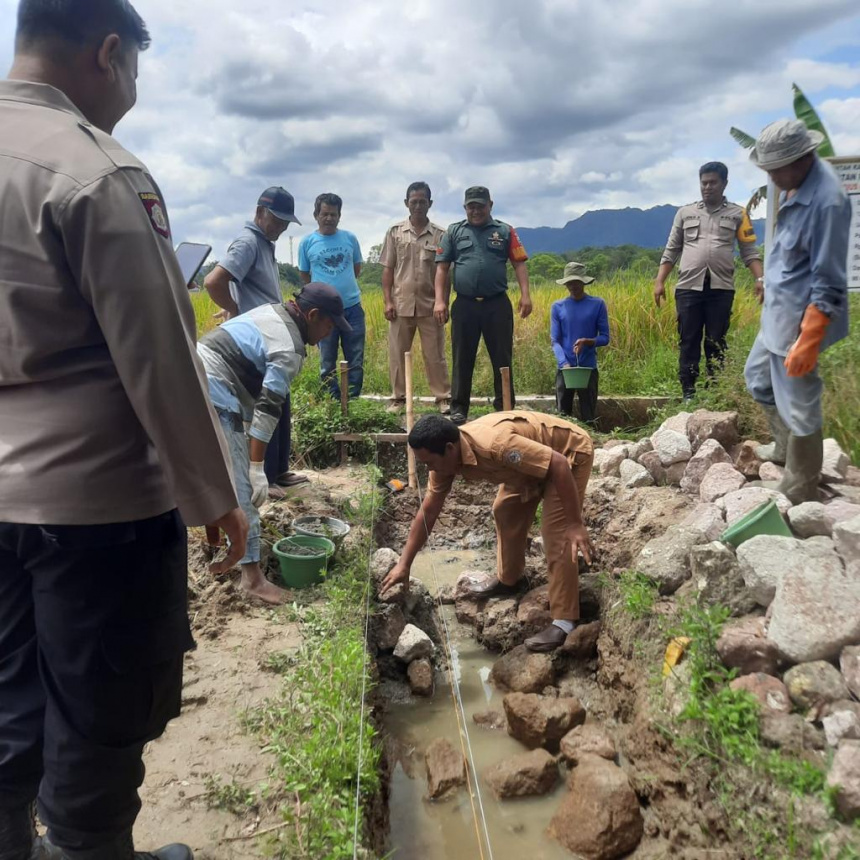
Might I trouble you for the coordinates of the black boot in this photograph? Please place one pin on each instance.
(121, 848)
(774, 452)
(802, 468)
(17, 832)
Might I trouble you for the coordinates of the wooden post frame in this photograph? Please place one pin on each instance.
(344, 403)
(507, 392)
(410, 420)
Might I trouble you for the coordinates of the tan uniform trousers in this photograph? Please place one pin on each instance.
(514, 516)
(401, 335)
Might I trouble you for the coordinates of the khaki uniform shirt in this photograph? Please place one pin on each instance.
(413, 257)
(104, 415)
(705, 242)
(514, 449)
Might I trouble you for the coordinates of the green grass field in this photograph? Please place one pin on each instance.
(641, 357)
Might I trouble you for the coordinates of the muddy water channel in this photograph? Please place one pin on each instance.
(446, 829)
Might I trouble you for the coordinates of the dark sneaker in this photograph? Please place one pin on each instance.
(548, 639)
(120, 849)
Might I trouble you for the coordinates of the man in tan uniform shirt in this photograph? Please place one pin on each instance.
(408, 260)
(106, 438)
(534, 457)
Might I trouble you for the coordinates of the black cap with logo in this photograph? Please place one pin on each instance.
(477, 194)
(325, 298)
(280, 203)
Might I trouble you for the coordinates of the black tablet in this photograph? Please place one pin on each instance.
(191, 256)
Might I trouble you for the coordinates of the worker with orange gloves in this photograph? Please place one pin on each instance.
(805, 300)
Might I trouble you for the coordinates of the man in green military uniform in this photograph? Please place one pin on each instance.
(480, 248)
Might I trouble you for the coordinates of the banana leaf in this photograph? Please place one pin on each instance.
(804, 111)
(745, 140)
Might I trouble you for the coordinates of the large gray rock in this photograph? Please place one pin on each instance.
(844, 779)
(387, 625)
(651, 461)
(834, 466)
(740, 502)
(467, 579)
(815, 683)
(710, 453)
(839, 510)
(790, 732)
(771, 472)
(742, 645)
(718, 578)
(533, 612)
(816, 611)
(633, 475)
(720, 479)
(521, 671)
(382, 562)
(599, 818)
(809, 519)
(501, 630)
(585, 740)
(526, 775)
(637, 449)
(446, 768)
(721, 427)
(745, 458)
(849, 663)
(679, 423)
(846, 536)
(420, 675)
(607, 461)
(671, 446)
(666, 559)
(766, 559)
(770, 692)
(541, 721)
(581, 644)
(839, 724)
(706, 518)
(413, 644)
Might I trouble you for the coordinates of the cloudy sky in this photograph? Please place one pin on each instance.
(559, 106)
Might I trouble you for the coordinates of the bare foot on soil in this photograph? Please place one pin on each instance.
(254, 584)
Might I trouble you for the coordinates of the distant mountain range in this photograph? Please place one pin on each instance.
(647, 228)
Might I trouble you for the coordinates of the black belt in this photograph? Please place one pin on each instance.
(480, 298)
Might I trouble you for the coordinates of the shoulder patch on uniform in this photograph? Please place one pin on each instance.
(155, 209)
(513, 457)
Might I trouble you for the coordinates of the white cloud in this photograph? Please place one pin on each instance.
(559, 106)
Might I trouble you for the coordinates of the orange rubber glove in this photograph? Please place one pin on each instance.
(803, 355)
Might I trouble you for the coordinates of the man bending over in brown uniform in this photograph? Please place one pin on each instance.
(533, 457)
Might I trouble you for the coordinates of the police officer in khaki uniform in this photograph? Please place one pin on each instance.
(479, 248)
(533, 457)
(109, 444)
(703, 235)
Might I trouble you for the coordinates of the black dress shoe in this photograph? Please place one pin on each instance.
(490, 588)
(547, 640)
(458, 418)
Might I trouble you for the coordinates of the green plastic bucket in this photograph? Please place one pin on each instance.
(298, 570)
(762, 520)
(576, 377)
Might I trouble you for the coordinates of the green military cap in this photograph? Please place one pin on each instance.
(477, 194)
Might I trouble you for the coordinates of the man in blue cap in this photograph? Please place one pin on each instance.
(246, 278)
(250, 362)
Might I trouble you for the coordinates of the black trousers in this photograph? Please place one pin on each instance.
(470, 320)
(705, 311)
(277, 459)
(587, 398)
(93, 627)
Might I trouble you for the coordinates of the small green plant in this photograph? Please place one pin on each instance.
(230, 796)
(638, 593)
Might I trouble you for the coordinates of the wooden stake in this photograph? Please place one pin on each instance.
(507, 393)
(344, 403)
(410, 420)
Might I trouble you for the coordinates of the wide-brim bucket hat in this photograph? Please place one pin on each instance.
(574, 272)
(784, 142)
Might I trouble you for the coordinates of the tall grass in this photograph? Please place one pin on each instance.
(641, 359)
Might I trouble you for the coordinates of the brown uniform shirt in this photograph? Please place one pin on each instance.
(413, 257)
(514, 449)
(104, 415)
(705, 241)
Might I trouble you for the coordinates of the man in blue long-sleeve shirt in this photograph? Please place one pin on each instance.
(578, 325)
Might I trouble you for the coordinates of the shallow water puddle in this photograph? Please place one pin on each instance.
(446, 830)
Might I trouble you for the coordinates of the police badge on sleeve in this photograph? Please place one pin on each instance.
(155, 209)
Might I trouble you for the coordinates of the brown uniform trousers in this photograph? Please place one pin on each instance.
(514, 449)
(400, 339)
